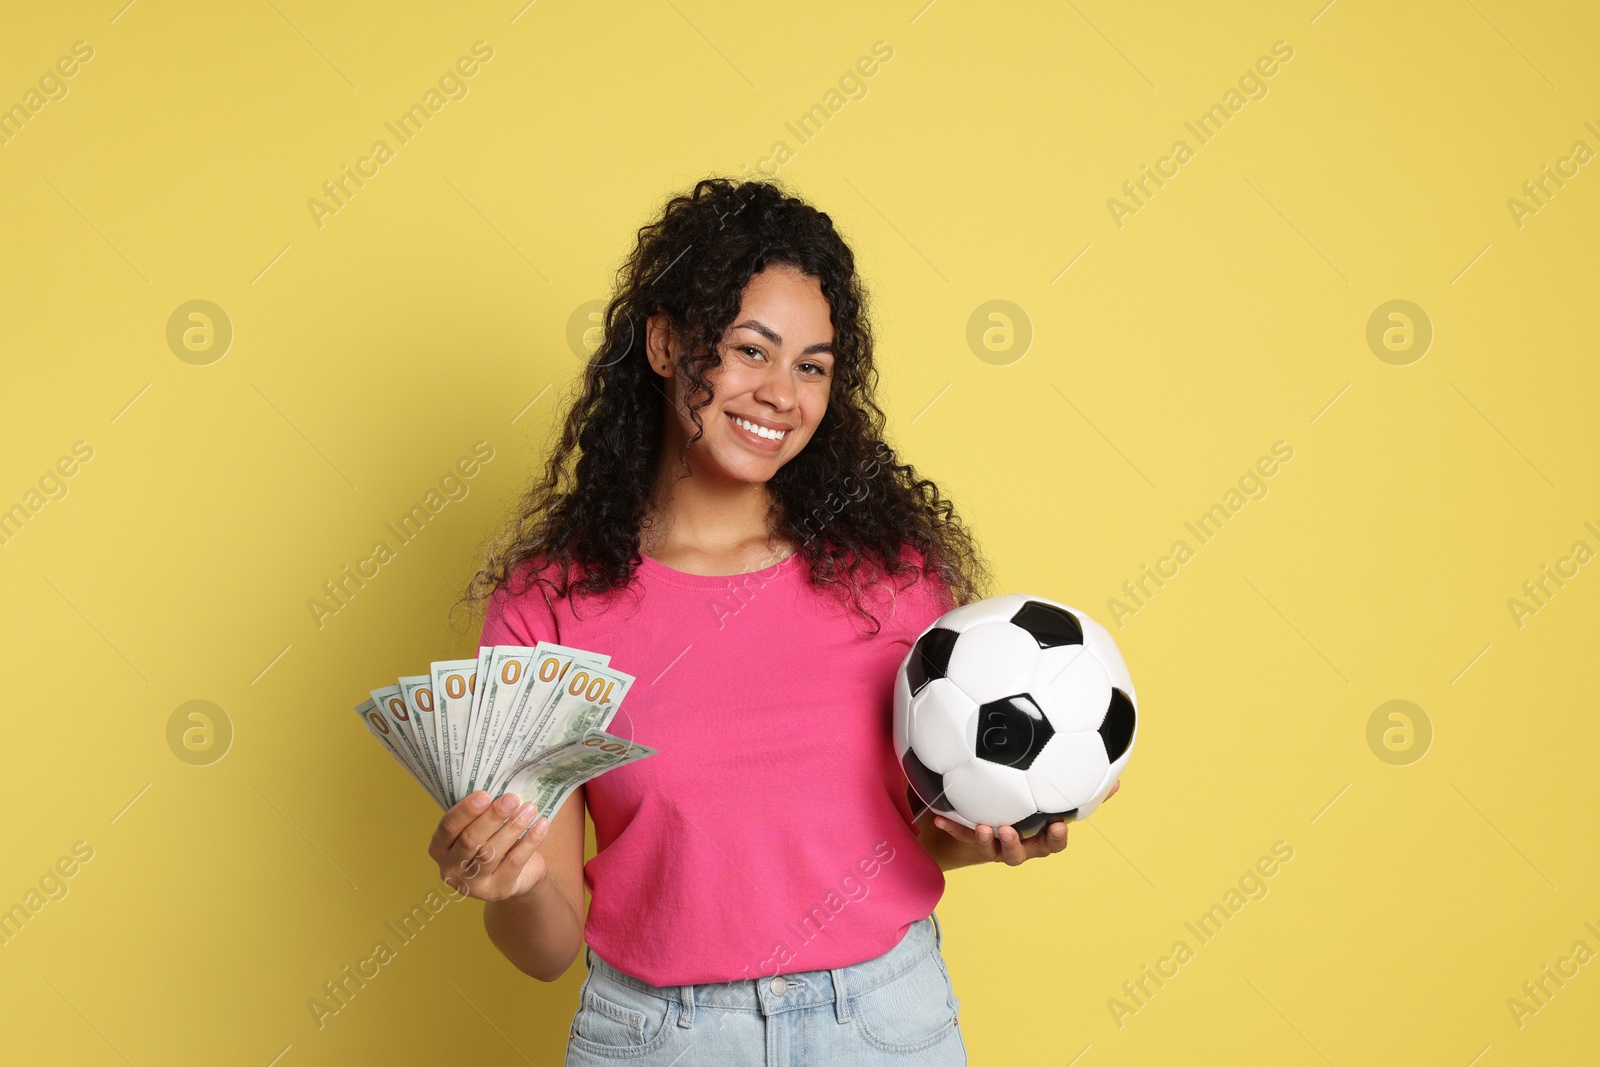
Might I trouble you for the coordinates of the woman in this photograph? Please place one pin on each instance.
(723, 517)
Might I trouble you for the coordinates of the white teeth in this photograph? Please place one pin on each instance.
(760, 431)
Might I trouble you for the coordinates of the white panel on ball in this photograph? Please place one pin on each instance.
(990, 793)
(990, 609)
(1099, 641)
(944, 725)
(1088, 809)
(1108, 780)
(1072, 687)
(1068, 771)
(992, 660)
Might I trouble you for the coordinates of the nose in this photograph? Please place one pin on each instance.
(776, 387)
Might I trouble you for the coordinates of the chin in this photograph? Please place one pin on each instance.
(733, 465)
(753, 474)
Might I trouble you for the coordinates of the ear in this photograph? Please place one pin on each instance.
(660, 344)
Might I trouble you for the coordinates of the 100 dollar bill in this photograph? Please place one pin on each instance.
(551, 776)
(548, 668)
(454, 683)
(586, 698)
(394, 712)
(387, 731)
(497, 693)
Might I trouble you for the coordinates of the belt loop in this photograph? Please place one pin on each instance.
(841, 998)
(686, 996)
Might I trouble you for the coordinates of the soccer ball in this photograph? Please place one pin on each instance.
(1014, 710)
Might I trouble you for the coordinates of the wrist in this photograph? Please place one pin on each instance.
(946, 850)
(535, 896)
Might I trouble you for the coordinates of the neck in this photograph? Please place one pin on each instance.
(704, 508)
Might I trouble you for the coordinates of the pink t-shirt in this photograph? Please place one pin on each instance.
(772, 832)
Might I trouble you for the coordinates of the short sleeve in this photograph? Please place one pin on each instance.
(525, 618)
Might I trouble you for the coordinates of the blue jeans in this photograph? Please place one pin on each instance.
(899, 1008)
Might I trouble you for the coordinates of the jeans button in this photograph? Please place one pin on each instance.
(780, 985)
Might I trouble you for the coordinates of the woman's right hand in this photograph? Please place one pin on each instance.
(477, 848)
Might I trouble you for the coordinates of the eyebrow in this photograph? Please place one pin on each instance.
(772, 335)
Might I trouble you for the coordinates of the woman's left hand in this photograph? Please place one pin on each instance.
(1005, 844)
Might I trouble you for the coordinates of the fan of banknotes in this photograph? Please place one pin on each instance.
(529, 721)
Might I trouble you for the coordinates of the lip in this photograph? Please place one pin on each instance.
(768, 423)
(753, 440)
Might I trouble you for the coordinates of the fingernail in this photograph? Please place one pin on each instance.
(541, 826)
(507, 802)
(1058, 831)
(478, 801)
(525, 812)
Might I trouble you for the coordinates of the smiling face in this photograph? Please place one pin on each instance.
(772, 387)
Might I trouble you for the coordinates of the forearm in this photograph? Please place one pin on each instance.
(539, 931)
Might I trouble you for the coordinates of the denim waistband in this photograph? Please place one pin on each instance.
(794, 990)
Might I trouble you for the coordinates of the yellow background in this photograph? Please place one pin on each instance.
(1229, 313)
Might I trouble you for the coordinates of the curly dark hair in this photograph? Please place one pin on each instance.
(694, 263)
